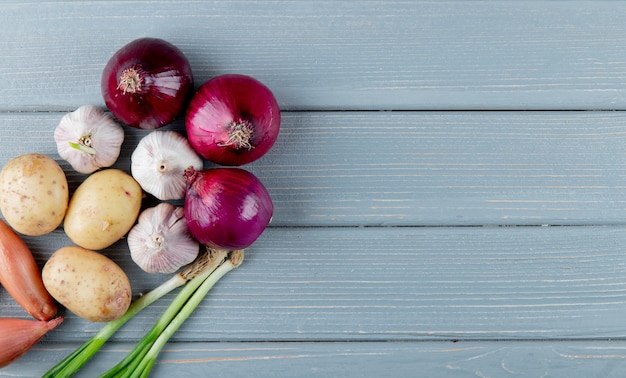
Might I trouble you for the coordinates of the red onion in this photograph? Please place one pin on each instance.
(147, 83)
(226, 208)
(232, 120)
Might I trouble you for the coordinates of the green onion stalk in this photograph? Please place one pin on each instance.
(200, 269)
(139, 362)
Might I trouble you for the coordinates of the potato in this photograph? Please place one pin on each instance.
(87, 283)
(33, 194)
(103, 209)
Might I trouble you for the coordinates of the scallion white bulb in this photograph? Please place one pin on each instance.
(159, 162)
(89, 139)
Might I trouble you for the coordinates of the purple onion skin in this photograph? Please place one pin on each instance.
(165, 83)
(226, 208)
(225, 103)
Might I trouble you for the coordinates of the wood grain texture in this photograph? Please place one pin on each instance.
(333, 54)
(349, 359)
(443, 205)
(418, 168)
(397, 283)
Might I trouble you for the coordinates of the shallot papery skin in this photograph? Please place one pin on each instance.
(18, 336)
(147, 83)
(226, 208)
(21, 277)
(232, 120)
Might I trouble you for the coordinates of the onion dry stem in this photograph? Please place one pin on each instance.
(239, 135)
(130, 81)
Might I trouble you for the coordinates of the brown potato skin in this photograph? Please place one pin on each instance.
(87, 283)
(21, 277)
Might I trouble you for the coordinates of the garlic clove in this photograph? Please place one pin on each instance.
(89, 139)
(160, 242)
(159, 162)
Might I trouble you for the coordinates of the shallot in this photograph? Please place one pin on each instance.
(21, 277)
(19, 335)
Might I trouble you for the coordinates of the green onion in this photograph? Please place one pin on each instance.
(203, 266)
(140, 360)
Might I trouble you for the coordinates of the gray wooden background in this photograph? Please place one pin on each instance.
(449, 182)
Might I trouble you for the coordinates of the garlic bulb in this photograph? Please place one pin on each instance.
(160, 241)
(89, 139)
(159, 161)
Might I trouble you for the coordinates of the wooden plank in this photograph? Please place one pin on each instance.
(396, 283)
(348, 359)
(330, 289)
(333, 54)
(418, 168)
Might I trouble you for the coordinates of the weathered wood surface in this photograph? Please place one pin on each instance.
(372, 359)
(333, 54)
(400, 283)
(419, 168)
(455, 233)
